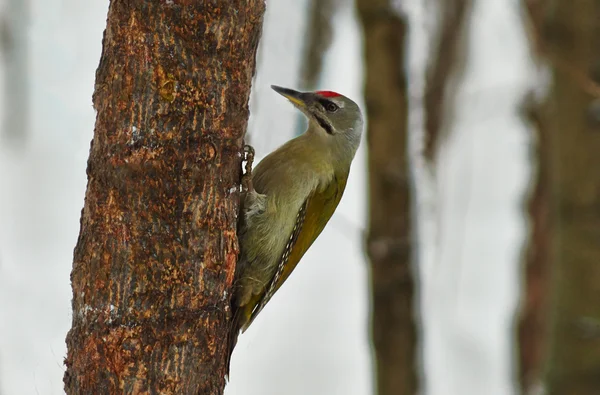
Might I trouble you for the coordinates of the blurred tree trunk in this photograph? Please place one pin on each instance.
(445, 61)
(157, 249)
(533, 320)
(566, 36)
(389, 237)
(319, 35)
(532, 330)
(14, 40)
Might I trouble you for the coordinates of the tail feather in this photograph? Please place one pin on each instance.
(232, 337)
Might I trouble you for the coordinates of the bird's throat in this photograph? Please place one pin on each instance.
(323, 123)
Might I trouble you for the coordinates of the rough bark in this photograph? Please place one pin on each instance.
(566, 36)
(444, 61)
(389, 235)
(155, 258)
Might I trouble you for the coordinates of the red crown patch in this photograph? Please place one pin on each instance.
(328, 93)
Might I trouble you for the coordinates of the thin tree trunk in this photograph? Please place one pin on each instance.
(14, 39)
(567, 37)
(532, 330)
(319, 33)
(445, 60)
(389, 238)
(319, 36)
(533, 320)
(155, 258)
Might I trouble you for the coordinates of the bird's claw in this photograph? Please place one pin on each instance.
(248, 152)
(247, 177)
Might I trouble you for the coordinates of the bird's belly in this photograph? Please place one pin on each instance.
(263, 243)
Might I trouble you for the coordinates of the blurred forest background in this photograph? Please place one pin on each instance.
(464, 257)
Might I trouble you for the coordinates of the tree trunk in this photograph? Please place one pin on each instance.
(532, 329)
(155, 258)
(14, 39)
(444, 60)
(319, 35)
(567, 37)
(389, 238)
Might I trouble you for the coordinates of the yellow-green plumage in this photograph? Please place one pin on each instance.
(320, 206)
(296, 191)
(284, 182)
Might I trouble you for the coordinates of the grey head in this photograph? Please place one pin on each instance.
(334, 115)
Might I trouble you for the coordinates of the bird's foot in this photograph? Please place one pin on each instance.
(247, 177)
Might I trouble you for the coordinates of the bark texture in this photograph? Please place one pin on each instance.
(444, 61)
(155, 258)
(566, 36)
(389, 237)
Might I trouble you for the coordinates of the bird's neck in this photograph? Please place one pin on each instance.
(340, 148)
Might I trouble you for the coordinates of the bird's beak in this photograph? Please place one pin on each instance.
(297, 98)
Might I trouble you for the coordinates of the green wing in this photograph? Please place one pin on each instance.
(310, 222)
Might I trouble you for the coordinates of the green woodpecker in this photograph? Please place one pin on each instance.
(295, 191)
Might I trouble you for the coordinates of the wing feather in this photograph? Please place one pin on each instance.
(310, 222)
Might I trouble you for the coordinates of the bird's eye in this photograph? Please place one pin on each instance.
(331, 107)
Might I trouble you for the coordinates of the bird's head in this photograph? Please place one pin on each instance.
(334, 115)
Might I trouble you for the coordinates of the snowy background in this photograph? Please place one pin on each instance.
(312, 338)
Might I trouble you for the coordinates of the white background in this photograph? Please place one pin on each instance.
(312, 338)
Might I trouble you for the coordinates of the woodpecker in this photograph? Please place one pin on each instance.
(294, 191)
